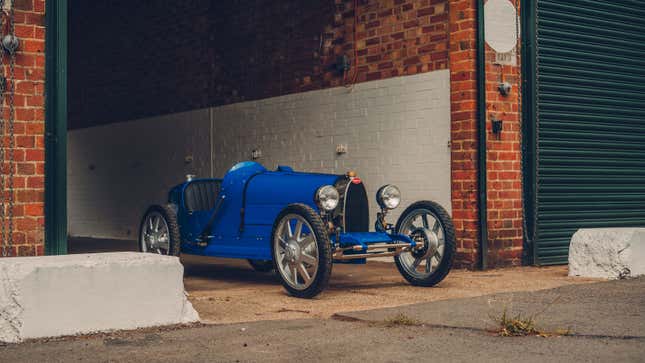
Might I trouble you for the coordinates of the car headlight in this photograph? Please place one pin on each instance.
(388, 196)
(327, 198)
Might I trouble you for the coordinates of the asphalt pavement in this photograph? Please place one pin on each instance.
(601, 322)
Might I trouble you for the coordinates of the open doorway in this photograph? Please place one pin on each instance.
(159, 92)
(131, 80)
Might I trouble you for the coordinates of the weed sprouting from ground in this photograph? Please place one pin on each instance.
(518, 325)
(524, 325)
(401, 320)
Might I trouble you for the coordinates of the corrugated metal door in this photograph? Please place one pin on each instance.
(590, 111)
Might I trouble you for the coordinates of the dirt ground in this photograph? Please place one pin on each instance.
(229, 291)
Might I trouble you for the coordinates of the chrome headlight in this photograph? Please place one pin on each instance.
(388, 196)
(327, 198)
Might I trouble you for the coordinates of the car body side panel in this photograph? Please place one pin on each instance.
(253, 198)
(228, 220)
(269, 193)
(242, 247)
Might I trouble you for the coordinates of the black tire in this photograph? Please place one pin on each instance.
(323, 272)
(449, 247)
(261, 265)
(169, 216)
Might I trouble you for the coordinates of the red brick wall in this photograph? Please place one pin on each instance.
(463, 98)
(135, 59)
(29, 164)
(503, 152)
(505, 227)
(394, 38)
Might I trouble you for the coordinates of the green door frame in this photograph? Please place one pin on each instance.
(529, 126)
(56, 127)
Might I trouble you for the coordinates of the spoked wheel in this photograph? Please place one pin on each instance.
(159, 231)
(430, 226)
(301, 251)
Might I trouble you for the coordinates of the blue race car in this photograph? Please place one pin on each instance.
(298, 224)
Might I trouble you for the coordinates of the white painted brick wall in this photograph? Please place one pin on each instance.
(116, 171)
(397, 131)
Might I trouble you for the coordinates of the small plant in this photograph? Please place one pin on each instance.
(401, 320)
(524, 325)
(517, 325)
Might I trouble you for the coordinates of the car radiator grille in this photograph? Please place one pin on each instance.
(354, 208)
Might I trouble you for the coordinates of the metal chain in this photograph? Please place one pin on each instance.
(6, 203)
(3, 240)
(12, 116)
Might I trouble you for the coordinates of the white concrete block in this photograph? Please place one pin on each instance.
(611, 253)
(77, 294)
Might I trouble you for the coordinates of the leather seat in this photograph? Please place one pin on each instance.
(201, 195)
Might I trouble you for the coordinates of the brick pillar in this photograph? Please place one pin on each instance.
(503, 151)
(505, 227)
(29, 166)
(463, 133)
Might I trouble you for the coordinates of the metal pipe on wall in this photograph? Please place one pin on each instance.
(481, 145)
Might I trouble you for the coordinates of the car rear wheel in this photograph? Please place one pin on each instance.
(261, 265)
(431, 227)
(159, 231)
(301, 251)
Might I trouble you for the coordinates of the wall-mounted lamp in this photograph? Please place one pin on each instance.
(504, 88)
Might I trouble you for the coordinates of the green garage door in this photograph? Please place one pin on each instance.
(590, 111)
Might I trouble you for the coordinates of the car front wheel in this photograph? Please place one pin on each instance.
(301, 251)
(431, 227)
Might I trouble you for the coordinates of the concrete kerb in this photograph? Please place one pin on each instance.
(610, 253)
(79, 294)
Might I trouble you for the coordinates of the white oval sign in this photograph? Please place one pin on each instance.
(500, 25)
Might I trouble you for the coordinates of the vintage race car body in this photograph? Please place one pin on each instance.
(252, 197)
(298, 224)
